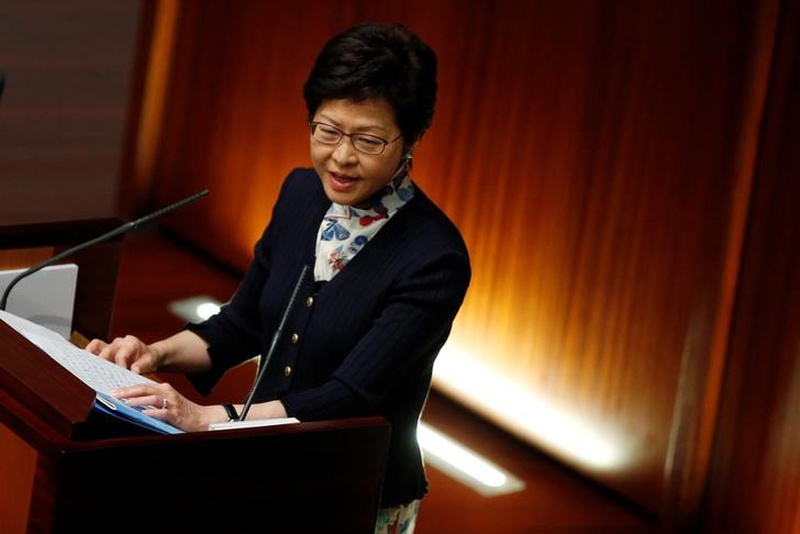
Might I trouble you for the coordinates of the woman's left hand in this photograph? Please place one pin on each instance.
(163, 402)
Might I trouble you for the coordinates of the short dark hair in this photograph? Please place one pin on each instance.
(378, 61)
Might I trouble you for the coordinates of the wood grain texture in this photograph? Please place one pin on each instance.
(17, 468)
(757, 467)
(67, 68)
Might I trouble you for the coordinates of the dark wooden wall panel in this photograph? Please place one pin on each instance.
(17, 469)
(598, 157)
(62, 117)
(68, 68)
(757, 449)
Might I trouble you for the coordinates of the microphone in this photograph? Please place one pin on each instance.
(273, 344)
(122, 229)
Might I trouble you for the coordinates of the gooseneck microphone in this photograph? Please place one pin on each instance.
(273, 345)
(122, 229)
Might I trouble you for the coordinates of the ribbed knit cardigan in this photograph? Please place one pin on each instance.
(363, 343)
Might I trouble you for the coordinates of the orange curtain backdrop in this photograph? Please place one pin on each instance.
(597, 157)
(756, 471)
(233, 118)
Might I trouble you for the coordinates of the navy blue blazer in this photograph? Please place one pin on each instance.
(363, 343)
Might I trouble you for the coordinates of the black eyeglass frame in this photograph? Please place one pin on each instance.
(384, 143)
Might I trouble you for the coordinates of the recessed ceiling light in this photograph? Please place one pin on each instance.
(195, 309)
(465, 465)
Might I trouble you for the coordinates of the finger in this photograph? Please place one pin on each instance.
(124, 354)
(95, 346)
(137, 356)
(128, 350)
(143, 364)
(149, 403)
(133, 392)
(157, 406)
(109, 349)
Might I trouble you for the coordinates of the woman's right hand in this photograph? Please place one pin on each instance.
(129, 352)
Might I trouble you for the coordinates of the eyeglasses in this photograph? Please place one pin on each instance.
(364, 143)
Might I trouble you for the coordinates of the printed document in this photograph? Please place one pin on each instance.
(100, 375)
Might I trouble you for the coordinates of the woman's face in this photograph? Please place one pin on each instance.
(349, 176)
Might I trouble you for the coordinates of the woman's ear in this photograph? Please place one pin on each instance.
(410, 150)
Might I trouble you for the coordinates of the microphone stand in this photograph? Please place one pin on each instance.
(273, 345)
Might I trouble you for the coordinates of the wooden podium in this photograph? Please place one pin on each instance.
(66, 469)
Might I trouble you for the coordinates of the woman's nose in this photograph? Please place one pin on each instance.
(344, 153)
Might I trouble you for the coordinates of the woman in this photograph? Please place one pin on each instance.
(389, 270)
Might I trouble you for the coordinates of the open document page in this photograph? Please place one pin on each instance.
(253, 423)
(100, 375)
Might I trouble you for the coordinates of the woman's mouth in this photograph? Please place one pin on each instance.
(341, 182)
